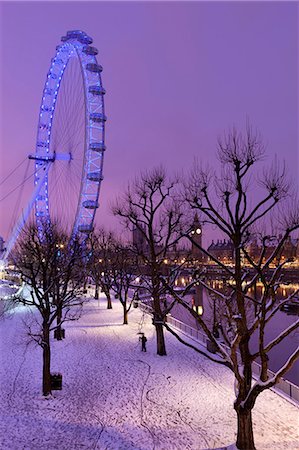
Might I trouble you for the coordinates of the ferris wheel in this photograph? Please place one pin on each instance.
(70, 141)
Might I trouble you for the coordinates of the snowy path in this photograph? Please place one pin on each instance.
(116, 397)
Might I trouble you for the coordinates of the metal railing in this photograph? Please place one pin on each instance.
(286, 388)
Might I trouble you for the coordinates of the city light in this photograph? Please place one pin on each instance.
(189, 263)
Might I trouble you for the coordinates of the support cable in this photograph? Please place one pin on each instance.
(18, 201)
(17, 187)
(13, 171)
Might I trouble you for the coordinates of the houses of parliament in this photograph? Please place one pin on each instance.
(221, 249)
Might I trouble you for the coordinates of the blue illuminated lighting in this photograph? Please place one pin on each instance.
(74, 48)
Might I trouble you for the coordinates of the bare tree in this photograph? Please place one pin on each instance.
(51, 265)
(123, 271)
(101, 245)
(152, 210)
(226, 203)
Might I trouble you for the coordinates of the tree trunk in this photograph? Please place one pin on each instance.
(245, 439)
(158, 322)
(161, 348)
(46, 361)
(58, 322)
(96, 292)
(125, 315)
(109, 304)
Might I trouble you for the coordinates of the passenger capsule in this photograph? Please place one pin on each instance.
(97, 146)
(81, 36)
(84, 228)
(88, 50)
(92, 67)
(73, 34)
(85, 39)
(96, 90)
(98, 117)
(90, 204)
(95, 176)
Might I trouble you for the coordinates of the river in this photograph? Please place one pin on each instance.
(279, 354)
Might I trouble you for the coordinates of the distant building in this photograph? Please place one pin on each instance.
(290, 250)
(177, 255)
(222, 250)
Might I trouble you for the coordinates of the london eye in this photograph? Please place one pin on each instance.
(70, 142)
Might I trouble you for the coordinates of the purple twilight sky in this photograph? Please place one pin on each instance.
(176, 73)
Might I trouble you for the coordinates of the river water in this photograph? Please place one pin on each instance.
(278, 355)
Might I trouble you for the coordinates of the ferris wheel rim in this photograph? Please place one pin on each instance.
(75, 43)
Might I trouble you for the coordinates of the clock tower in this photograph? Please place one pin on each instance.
(196, 234)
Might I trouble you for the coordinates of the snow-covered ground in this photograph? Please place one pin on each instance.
(116, 397)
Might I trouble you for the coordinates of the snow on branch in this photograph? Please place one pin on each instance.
(260, 386)
(202, 352)
(282, 335)
(201, 322)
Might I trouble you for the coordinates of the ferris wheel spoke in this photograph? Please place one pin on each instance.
(71, 134)
(66, 178)
(68, 105)
(60, 202)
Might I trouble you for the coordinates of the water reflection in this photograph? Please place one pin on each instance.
(214, 313)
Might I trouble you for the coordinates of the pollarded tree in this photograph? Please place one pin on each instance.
(226, 202)
(51, 264)
(151, 209)
(123, 271)
(101, 245)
